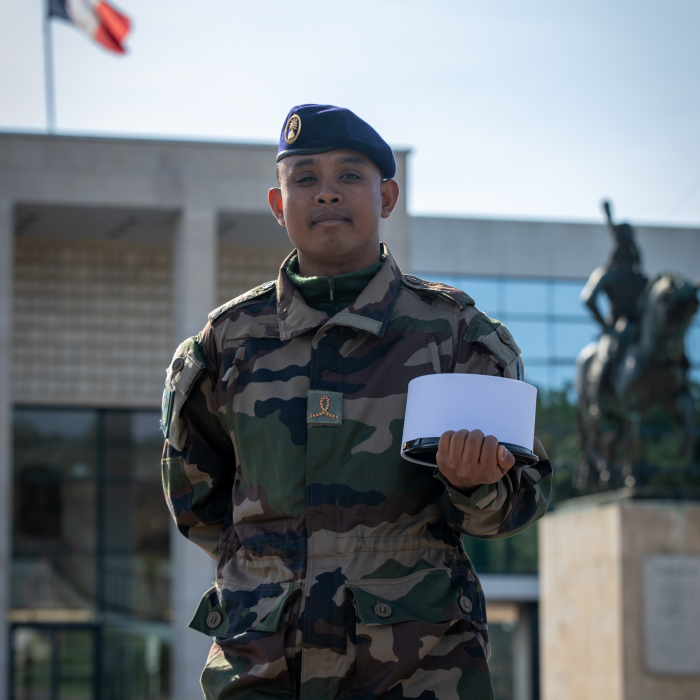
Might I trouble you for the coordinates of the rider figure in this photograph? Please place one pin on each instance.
(623, 283)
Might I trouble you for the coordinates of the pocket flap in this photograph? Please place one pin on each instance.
(432, 595)
(240, 331)
(230, 609)
(210, 618)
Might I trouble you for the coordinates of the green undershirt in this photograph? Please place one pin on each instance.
(344, 289)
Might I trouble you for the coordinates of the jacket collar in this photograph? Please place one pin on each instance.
(370, 312)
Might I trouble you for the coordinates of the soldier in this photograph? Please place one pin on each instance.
(340, 566)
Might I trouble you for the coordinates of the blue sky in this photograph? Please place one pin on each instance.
(532, 109)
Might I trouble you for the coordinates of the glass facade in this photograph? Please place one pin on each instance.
(546, 318)
(90, 571)
(551, 326)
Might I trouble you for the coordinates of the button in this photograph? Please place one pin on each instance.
(382, 610)
(504, 335)
(465, 604)
(267, 285)
(213, 619)
(178, 364)
(414, 279)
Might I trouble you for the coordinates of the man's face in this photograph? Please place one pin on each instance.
(331, 204)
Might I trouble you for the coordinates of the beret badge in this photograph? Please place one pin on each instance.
(291, 131)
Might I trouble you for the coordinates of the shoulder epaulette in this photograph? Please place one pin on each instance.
(493, 335)
(251, 294)
(437, 289)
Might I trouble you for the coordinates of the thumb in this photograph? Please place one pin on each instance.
(505, 458)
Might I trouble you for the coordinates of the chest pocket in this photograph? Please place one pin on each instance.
(236, 333)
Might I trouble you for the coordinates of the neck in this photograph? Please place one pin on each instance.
(311, 266)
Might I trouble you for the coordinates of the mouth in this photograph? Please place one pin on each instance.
(330, 220)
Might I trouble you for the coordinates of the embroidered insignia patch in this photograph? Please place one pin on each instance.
(324, 408)
(166, 409)
(291, 131)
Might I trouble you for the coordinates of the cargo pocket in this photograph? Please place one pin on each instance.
(403, 625)
(252, 625)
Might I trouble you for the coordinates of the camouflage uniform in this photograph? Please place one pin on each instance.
(340, 567)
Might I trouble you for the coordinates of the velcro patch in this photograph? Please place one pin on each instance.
(324, 408)
(166, 409)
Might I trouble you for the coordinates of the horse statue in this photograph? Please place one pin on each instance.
(649, 371)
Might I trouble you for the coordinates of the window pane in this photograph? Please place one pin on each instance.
(53, 586)
(692, 344)
(485, 294)
(483, 290)
(531, 336)
(136, 518)
(148, 445)
(564, 380)
(538, 375)
(76, 657)
(143, 649)
(571, 338)
(54, 528)
(31, 651)
(566, 299)
(61, 440)
(138, 586)
(525, 297)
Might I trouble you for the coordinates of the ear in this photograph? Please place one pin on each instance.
(274, 198)
(390, 197)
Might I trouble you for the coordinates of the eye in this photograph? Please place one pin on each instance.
(350, 176)
(306, 179)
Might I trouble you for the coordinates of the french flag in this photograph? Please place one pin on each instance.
(97, 18)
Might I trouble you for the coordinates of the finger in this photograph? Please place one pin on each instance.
(489, 448)
(444, 444)
(472, 447)
(505, 459)
(457, 445)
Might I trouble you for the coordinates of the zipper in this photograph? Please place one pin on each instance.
(331, 286)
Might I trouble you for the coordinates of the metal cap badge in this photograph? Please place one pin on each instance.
(291, 131)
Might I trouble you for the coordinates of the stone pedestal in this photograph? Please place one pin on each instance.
(620, 599)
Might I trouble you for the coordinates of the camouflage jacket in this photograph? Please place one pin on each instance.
(340, 566)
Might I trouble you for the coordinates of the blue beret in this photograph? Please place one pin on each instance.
(310, 129)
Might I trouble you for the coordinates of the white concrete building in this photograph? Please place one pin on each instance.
(111, 252)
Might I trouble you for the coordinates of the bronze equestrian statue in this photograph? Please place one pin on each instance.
(639, 362)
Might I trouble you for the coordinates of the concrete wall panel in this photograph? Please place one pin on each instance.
(541, 249)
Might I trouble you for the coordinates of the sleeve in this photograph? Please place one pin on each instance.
(521, 497)
(199, 462)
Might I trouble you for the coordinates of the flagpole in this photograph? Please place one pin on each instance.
(50, 95)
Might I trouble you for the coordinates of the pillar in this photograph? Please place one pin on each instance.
(525, 653)
(194, 289)
(620, 584)
(6, 289)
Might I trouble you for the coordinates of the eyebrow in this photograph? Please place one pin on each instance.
(350, 160)
(304, 162)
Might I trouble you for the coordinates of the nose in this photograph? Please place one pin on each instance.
(327, 196)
